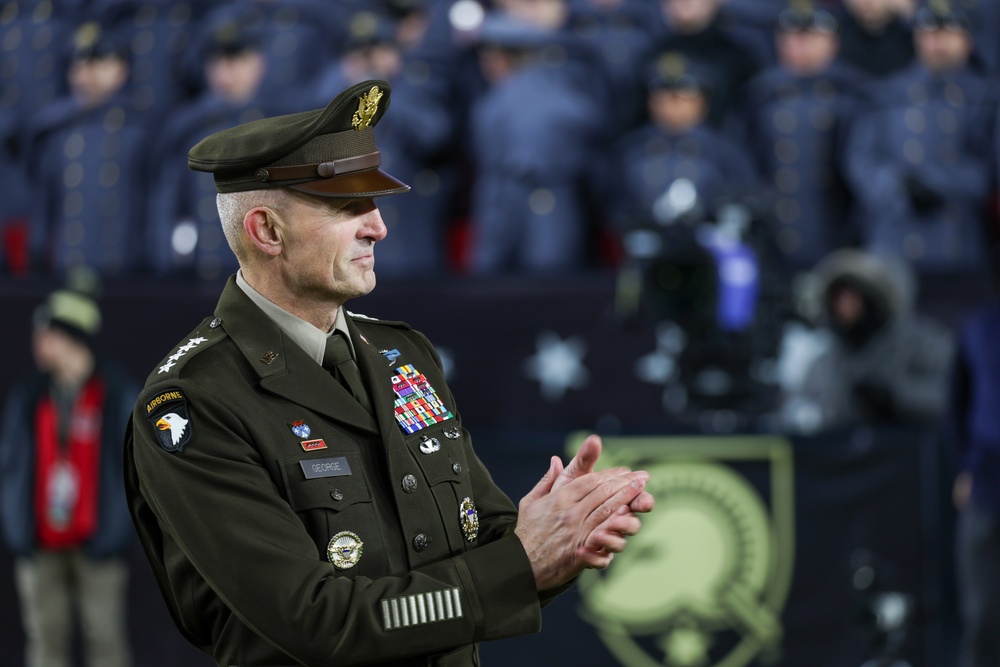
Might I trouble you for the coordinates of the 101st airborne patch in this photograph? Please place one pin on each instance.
(167, 413)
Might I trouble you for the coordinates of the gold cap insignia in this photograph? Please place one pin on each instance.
(367, 108)
(344, 550)
(469, 518)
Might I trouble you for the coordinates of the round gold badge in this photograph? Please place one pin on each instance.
(469, 518)
(344, 550)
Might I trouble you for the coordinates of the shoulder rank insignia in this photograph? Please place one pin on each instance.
(469, 518)
(167, 413)
(344, 550)
(181, 351)
(367, 108)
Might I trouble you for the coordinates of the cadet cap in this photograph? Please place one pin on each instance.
(675, 72)
(802, 16)
(327, 152)
(941, 15)
(92, 41)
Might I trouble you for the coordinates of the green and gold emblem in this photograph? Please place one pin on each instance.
(703, 584)
(367, 108)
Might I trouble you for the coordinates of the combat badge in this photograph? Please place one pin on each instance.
(429, 445)
(469, 518)
(344, 550)
(167, 413)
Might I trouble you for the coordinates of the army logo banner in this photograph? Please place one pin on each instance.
(705, 581)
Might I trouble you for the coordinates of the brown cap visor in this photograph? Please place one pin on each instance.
(356, 184)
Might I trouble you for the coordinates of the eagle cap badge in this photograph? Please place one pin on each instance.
(367, 108)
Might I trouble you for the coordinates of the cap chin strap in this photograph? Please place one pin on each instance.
(346, 165)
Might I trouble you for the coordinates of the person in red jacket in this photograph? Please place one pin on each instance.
(62, 498)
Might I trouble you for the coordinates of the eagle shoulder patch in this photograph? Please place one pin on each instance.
(168, 416)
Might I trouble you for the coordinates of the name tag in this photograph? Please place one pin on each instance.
(336, 466)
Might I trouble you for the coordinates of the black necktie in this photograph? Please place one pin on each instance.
(341, 364)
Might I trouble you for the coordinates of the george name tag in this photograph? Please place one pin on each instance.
(336, 466)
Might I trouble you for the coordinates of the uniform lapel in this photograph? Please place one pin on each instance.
(283, 367)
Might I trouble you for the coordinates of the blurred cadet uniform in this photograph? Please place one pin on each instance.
(184, 232)
(675, 150)
(62, 501)
(298, 37)
(32, 75)
(33, 59)
(919, 157)
(535, 131)
(874, 37)
(620, 34)
(159, 36)
(699, 30)
(352, 522)
(975, 432)
(878, 362)
(752, 23)
(797, 115)
(985, 16)
(87, 164)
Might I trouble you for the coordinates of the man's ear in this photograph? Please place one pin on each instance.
(264, 230)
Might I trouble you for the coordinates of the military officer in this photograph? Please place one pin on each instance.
(300, 476)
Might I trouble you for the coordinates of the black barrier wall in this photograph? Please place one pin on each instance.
(875, 495)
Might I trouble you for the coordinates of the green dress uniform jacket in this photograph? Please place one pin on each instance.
(245, 459)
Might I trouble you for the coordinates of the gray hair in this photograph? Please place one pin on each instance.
(233, 207)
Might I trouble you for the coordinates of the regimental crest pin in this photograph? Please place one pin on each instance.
(344, 550)
(469, 518)
(300, 428)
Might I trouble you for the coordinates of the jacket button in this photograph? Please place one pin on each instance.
(457, 467)
(337, 494)
(421, 542)
(409, 484)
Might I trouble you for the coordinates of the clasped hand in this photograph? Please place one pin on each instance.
(576, 518)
